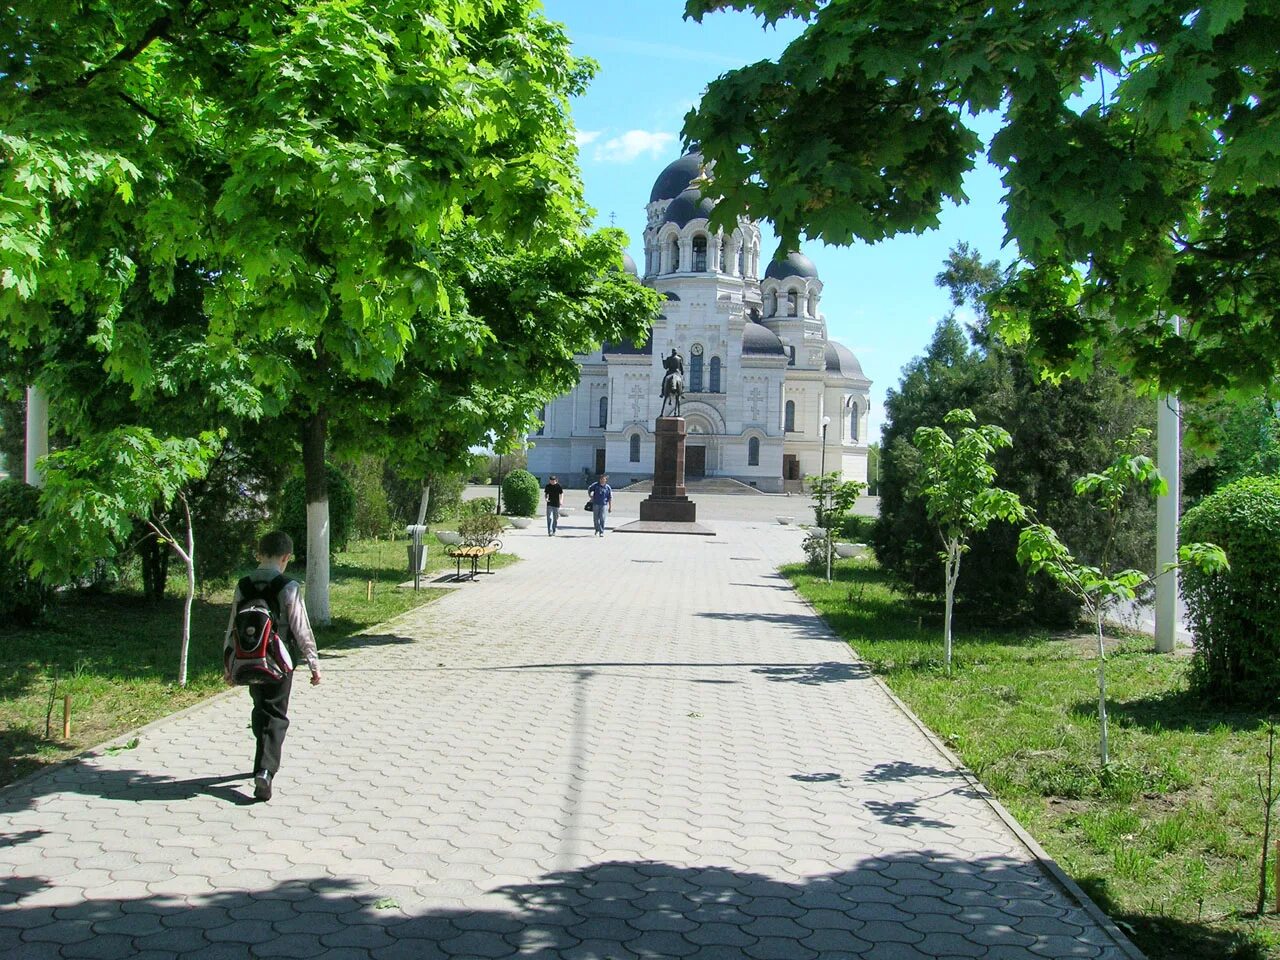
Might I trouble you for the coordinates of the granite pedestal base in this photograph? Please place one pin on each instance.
(668, 508)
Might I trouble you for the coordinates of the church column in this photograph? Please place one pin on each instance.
(713, 252)
(686, 254)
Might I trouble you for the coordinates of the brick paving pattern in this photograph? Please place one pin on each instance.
(636, 746)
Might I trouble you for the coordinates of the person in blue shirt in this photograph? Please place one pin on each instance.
(601, 495)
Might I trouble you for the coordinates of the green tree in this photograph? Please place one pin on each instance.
(956, 482)
(1136, 143)
(1059, 431)
(1229, 441)
(96, 490)
(341, 181)
(1104, 583)
(833, 501)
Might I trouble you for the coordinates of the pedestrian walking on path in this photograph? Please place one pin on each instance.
(553, 493)
(270, 716)
(601, 495)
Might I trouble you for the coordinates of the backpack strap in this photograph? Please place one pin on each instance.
(251, 589)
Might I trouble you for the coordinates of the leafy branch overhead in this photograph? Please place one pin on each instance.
(1137, 145)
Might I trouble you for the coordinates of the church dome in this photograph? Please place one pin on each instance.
(629, 265)
(759, 339)
(690, 205)
(675, 179)
(840, 359)
(794, 265)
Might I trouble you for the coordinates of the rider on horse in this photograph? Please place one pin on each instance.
(673, 382)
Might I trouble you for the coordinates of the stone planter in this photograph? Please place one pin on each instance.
(449, 537)
(851, 550)
(785, 520)
(520, 523)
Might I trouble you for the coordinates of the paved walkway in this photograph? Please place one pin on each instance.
(639, 746)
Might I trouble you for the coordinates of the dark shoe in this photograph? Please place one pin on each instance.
(262, 786)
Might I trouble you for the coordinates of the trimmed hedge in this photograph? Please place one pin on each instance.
(292, 513)
(520, 493)
(1235, 615)
(22, 598)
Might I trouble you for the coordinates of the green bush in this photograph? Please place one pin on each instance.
(22, 598)
(855, 529)
(478, 507)
(1234, 614)
(479, 529)
(404, 495)
(520, 493)
(291, 513)
(373, 512)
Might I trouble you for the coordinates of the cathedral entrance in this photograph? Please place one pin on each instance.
(790, 467)
(695, 462)
(599, 461)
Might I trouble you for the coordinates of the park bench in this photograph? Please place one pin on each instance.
(474, 554)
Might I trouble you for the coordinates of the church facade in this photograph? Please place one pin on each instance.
(761, 374)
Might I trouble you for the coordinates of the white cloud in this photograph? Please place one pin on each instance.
(583, 137)
(633, 144)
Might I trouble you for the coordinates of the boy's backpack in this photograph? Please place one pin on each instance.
(258, 655)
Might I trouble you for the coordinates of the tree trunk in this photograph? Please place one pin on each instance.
(317, 486)
(189, 558)
(154, 556)
(952, 574)
(1102, 688)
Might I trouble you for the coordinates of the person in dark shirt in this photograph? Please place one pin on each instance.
(553, 493)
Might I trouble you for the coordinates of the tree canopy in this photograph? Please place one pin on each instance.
(1137, 143)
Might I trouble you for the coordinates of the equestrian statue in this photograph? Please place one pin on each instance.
(673, 382)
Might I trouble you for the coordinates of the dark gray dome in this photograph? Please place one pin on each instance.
(629, 265)
(840, 359)
(690, 205)
(795, 265)
(758, 339)
(676, 178)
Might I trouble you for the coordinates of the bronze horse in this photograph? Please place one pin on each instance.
(672, 383)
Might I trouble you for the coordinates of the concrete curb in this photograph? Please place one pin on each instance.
(1046, 862)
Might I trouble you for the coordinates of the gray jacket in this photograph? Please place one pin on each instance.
(295, 626)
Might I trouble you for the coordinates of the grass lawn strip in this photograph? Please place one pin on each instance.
(1167, 841)
(117, 655)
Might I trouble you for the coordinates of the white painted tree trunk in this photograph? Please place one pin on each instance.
(37, 434)
(317, 592)
(952, 574)
(189, 558)
(1102, 688)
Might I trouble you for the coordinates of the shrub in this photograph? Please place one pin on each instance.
(373, 512)
(1234, 613)
(22, 597)
(291, 514)
(855, 529)
(479, 529)
(478, 507)
(404, 495)
(520, 493)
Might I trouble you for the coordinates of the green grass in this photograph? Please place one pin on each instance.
(117, 655)
(1167, 840)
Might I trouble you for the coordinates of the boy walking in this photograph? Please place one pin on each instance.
(553, 493)
(269, 717)
(601, 495)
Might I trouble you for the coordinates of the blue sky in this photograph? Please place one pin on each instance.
(880, 300)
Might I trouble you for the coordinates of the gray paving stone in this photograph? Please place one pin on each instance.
(728, 784)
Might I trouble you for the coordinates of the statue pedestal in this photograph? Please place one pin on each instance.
(668, 508)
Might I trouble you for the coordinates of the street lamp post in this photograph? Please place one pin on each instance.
(826, 495)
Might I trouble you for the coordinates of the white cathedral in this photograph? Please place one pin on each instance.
(761, 375)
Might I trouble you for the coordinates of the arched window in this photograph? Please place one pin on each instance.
(542, 420)
(699, 254)
(853, 421)
(695, 373)
(635, 448)
(792, 304)
(604, 411)
(724, 254)
(715, 374)
(675, 255)
(790, 421)
(772, 306)
(741, 260)
(753, 452)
